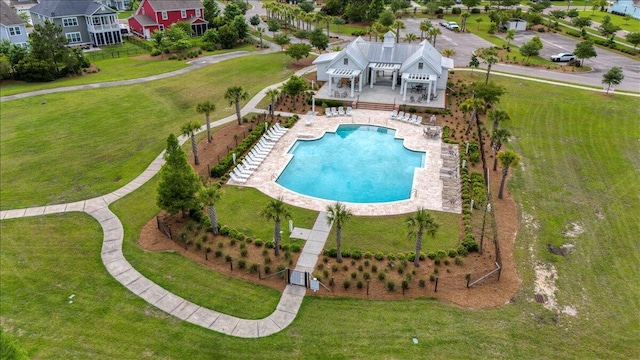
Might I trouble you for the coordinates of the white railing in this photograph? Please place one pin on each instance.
(105, 27)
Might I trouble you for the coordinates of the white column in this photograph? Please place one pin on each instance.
(373, 78)
(395, 77)
(360, 83)
(429, 93)
(353, 79)
(403, 90)
(330, 86)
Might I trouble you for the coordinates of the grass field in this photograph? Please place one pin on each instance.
(581, 161)
(87, 143)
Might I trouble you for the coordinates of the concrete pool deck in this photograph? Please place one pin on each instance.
(427, 189)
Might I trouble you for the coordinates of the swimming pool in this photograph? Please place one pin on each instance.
(357, 163)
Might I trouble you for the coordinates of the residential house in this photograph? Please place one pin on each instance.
(158, 15)
(408, 65)
(117, 4)
(12, 26)
(21, 6)
(84, 22)
(626, 7)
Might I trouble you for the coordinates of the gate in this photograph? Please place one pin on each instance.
(300, 278)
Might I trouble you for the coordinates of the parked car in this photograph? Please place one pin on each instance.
(451, 25)
(562, 57)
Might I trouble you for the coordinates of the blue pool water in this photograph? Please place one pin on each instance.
(357, 163)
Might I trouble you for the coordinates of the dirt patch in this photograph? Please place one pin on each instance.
(574, 230)
(495, 290)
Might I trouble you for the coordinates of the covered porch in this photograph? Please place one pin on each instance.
(380, 95)
(337, 88)
(376, 68)
(422, 85)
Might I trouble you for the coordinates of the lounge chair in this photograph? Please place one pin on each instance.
(254, 156)
(400, 116)
(308, 120)
(419, 120)
(414, 119)
(394, 114)
(250, 164)
(341, 111)
(243, 170)
(334, 111)
(239, 174)
(237, 179)
(406, 117)
(349, 111)
(263, 149)
(274, 134)
(280, 128)
(327, 112)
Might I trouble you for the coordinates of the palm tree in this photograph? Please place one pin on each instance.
(490, 61)
(498, 116)
(338, 214)
(424, 27)
(472, 104)
(448, 52)
(276, 211)
(498, 137)
(508, 159)
(464, 16)
(235, 94)
(433, 33)
(410, 37)
(190, 129)
(273, 95)
(260, 31)
(208, 196)
(421, 223)
(206, 108)
(398, 25)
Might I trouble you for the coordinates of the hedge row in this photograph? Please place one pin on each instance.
(462, 250)
(226, 163)
(237, 235)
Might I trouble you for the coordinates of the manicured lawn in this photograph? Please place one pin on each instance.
(69, 146)
(389, 234)
(240, 208)
(629, 25)
(580, 164)
(111, 69)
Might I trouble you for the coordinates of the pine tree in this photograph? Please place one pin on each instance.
(179, 184)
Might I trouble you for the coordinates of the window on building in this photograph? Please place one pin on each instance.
(67, 22)
(420, 66)
(198, 14)
(96, 21)
(14, 30)
(164, 15)
(74, 37)
(346, 61)
(183, 14)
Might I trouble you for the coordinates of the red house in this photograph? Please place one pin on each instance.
(155, 15)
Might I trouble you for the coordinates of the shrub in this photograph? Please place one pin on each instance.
(334, 267)
(346, 253)
(391, 285)
(379, 255)
(173, 57)
(155, 52)
(332, 253)
(452, 253)
(475, 11)
(360, 268)
(281, 268)
(356, 254)
(374, 268)
(441, 254)
(432, 277)
(359, 284)
(431, 255)
(405, 284)
(265, 252)
(285, 247)
(296, 248)
(267, 260)
(228, 258)
(462, 251)
(367, 255)
(253, 268)
(244, 253)
(232, 242)
(366, 276)
(470, 243)
(456, 11)
(345, 267)
(217, 253)
(401, 256)
(367, 263)
(422, 283)
(258, 243)
(391, 257)
(269, 244)
(346, 283)
(320, 266)
(267, 269)
(325, 273)
(446, 262)
(354, 275)
(459, 260)
(381, 276)
(436, 261)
